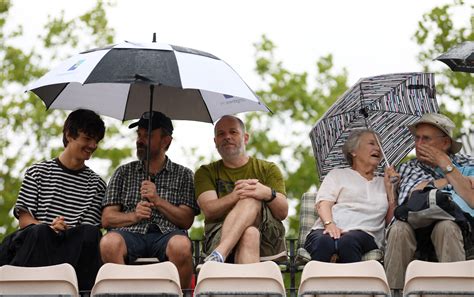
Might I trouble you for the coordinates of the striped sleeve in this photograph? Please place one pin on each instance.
(49, 191)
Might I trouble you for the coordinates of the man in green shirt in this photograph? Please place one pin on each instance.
(243, 200)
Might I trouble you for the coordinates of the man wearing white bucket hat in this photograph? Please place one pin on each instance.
(437, 160)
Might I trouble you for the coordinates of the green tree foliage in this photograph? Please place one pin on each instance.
(437, 32)
(297, 100)
(28, 132)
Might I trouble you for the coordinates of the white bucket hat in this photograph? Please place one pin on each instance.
(441, 122)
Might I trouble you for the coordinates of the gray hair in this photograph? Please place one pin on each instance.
(353, 142)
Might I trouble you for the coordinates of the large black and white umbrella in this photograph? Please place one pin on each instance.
(127, 79)
(384, 103)
(115, 81)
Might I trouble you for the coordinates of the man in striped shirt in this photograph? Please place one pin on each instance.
(148, 216)
(59, 205)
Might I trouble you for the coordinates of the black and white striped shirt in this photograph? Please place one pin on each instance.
(50, 190)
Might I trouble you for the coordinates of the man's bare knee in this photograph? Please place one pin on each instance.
(111, 246)
(248, 206)
(179, 248)
(250, 239)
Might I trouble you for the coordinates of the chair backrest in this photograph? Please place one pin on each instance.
(263, 278)
(152, 279)
(365, 278)
(428, 278)
(308, 216)
(54, 280)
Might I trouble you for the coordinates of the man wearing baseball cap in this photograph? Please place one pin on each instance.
(437, 160)
(148, 216)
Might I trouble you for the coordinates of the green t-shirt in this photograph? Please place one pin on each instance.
(217, 177)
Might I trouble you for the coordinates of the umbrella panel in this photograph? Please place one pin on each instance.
(460, 57)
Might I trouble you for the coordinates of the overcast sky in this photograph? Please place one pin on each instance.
(367, 37)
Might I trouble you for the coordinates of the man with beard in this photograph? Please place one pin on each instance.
(243, 200)
(148, 216)
(59, 206)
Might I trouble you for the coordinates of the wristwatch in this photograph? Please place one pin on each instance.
(327, 223)
(448, 169)
(274, 195)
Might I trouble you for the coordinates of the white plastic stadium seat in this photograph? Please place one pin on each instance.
(54, 280)
(263, 278)
(428, 278)
(152, 280)
(366, 278)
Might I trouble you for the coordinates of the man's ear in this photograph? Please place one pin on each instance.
(446, 144)
(167, 140)
(69, 137)
(246, 138)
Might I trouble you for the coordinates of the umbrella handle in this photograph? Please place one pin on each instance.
(383, 153)
(393, 179)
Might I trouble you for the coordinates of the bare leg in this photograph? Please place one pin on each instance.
(245, 213)
(113, 248)
(179, 252)
(248, 248)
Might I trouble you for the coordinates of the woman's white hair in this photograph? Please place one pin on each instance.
(353, 142)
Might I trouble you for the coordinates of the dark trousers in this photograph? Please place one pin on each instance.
(349, 247)
(39, 245)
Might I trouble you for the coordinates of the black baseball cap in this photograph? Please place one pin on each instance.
(159, 120)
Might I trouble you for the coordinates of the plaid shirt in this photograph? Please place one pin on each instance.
(174, 183)
(414, 172)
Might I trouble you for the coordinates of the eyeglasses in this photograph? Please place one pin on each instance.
(427, 138)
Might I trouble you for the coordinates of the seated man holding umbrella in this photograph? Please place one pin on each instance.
(148, 216)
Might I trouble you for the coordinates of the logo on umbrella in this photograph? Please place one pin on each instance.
(74, 67)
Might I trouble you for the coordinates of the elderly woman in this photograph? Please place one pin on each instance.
(353, 204)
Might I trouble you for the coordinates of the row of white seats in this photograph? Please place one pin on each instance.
(219, 279)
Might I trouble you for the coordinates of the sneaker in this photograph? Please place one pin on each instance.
(215, 256)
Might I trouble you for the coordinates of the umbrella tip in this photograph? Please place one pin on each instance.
(154, 37)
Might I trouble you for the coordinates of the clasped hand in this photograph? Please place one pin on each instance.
(251, 188)
(59, 224)
(149, 196)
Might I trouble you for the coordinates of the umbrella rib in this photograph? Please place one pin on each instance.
(126, 104)
(207, 109)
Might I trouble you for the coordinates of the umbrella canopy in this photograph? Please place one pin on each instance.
(115, 81)
(127, 79)
(460, 57)
(386, 104)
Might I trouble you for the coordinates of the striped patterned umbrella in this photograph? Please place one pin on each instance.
(384, 103)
